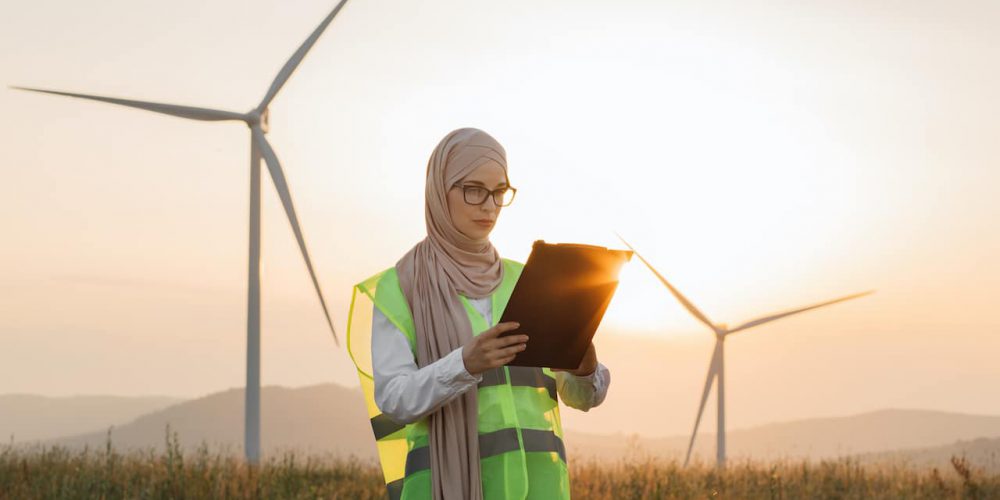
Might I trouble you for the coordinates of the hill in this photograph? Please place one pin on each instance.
(322, 418)
(29, 417)
(328, 418)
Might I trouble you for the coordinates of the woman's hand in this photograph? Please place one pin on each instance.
(588, 364)
(485, 351)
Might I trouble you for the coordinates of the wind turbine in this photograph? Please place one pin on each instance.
(256, 120)
(716, 367)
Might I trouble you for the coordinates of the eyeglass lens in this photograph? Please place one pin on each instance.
(475, 195)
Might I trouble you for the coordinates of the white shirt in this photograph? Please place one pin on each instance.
(406, 393)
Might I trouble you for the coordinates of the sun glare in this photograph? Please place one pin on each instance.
(643, 306)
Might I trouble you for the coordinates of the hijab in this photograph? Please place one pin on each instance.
(432, 274)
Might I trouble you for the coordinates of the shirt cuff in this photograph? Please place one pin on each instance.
(592, 378)
(453, 372)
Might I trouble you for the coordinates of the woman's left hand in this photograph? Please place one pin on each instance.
(588, 365)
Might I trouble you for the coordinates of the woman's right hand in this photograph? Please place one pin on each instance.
(485, 351)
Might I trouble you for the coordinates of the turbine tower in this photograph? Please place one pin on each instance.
(256, 120)
(716, 367)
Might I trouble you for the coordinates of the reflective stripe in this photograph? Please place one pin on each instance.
(494, 376)
(495, 443)
(521, 376)
(532, 377)
(395, 489)
(418, 459)
(535, 440)
(383, 426)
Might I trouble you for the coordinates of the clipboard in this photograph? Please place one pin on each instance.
(559, 300)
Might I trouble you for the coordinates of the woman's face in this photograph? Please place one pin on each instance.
(476, 221)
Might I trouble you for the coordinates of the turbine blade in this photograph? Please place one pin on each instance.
(680, 297)
(167, 109)
(286, 200)
(293, 62)
(772, 317)
(713, 370)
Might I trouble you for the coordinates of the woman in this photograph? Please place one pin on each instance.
(451, 420)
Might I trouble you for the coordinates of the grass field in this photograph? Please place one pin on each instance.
(58, 473)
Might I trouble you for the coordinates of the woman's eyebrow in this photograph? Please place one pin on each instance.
(478, 183)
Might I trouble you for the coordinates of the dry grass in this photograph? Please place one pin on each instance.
(104, 474)
(57, 473)
(840, 479)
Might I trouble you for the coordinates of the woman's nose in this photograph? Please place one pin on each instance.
(490, 205)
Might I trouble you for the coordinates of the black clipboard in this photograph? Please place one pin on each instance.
(559, 301)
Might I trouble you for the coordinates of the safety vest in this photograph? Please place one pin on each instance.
(521, 451)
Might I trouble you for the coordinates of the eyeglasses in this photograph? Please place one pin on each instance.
(476, 195)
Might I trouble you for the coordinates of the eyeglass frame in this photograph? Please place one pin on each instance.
(490, 194)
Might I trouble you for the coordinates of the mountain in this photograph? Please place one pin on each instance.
(317, 419)
(328, 418)
(29, 417)
(863, 433)
(982, 453)
(818, 438)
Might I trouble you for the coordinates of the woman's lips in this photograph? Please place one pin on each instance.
(484, 223)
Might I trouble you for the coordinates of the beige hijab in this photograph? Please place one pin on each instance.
(432, 274)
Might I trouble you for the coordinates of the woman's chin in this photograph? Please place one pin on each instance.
(476, 233)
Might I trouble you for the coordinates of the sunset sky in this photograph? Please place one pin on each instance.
(763, 155)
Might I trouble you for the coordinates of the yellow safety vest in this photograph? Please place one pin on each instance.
(521, 451)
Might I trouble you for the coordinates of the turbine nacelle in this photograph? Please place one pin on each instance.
(257, 118)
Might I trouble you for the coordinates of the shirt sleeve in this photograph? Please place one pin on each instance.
(404, 392)
(586, 392)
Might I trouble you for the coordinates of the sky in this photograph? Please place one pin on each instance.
(762, 155)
